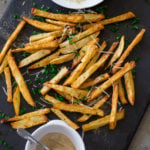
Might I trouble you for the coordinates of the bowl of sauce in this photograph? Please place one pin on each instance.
(77, 4)
(56, 135)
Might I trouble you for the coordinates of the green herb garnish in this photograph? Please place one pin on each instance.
(101, 9)
(60, 98)
(135, 27)
(34, 33)
(135, 20)
(118, 37)
(115, 28)
(137, 58)
(16, 16)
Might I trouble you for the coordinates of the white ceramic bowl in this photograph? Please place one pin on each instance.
(73, 4)
(56, 126)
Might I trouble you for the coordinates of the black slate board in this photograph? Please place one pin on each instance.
(102, 139)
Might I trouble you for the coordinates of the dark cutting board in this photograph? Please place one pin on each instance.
(101, 139)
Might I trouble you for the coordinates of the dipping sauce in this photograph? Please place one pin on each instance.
(56, 141)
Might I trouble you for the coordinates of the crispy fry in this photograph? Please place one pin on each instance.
(35, 47)
(8, 84)
(122, 93)
(73, 47)
(118, 52)
(44, 61)
(79, 69)
(96, 106)
(63, 58)
(61, 74)
(108, 83)
(63, 117)
(29, 122)
(33, 57)
(102, 121)
(4, 64)
(78, 108)
(61, 17)
(20, 80)
(92, 69)
(112, 121)
(129, 84)
(129, 49)
(11, 39)
(77, 93)
(61, 23)
(95, 81)
(42, 25)
(39, 112)
(16, 101)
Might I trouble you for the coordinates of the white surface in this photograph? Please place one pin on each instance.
(73, 4)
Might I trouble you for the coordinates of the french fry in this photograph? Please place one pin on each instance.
(33, 57)
(100, 103)
(102, 121)
(61, 74)
(118, 52)
(129, 84)
(95, 81)
(61, 17)
(78, 108)
(8, 84)
(73, 47)
(127, 67)
(122, 93)
(51, 99)
(100, 63)
(63, 58)
(79, 69)
(44, 61)
(42, 25)
(77, 93)
(11, 39)
(82, 51)
(4, 64)
(34, 48)
(129, 49)
(112, 121)
(16, 101)
(29, 122)
(39, 112)
(20, 80)
(63, 117)
(60, 23)
(83, 34)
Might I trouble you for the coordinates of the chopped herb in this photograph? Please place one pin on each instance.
(16, 16)
(126, 25)
(135, 27)
(44, 8)
(70, 38)
(34, 33)
(89, 88)
(60, 98)
(22, 111)
(52, 76)
(15, 84)
(101, 9)
(30, 82)
(137, 58)
(25, 54)
(76, 53)
(83, 51)
(135, 20)
(23, 46)
(45, 71)
(53, 69)
(38, 18)
(82, 99)
(34, 5)
(118, 37)
(115, 28)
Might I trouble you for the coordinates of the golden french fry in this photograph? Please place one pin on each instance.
(112, 121)
(129, 49)
(102, 121)
(127, 67)
(82, 51)
(61, 17)
(73, 47)
(63, 117)
(77, 93)
(78, 108)
(63, 58)
(35, 47)
(44, 61)
(95, 81)
(8, 84)
(4, 64)
(42, 25)
(11, 39)
(39, 112)
(61, 23)
(61, 74)
(29, 122)
(79, 69)
(122, 93)
(100, 63)
(129, 84)
(20, 80)
(33, 57)
(16, 101)
(118, 52)
(96, 106)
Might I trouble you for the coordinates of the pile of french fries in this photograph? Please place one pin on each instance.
(60, 43)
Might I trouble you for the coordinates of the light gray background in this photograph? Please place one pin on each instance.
(142, 137)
